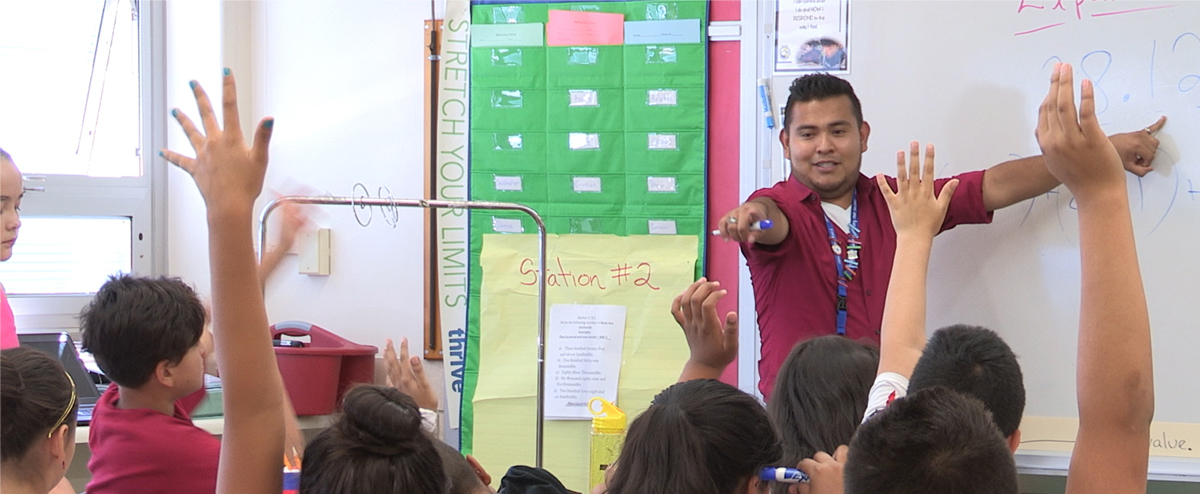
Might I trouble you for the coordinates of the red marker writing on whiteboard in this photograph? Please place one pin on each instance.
(754, 227)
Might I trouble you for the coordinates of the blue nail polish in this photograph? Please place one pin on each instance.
(268, 123)
(227, 71)
(175, 112)
(192, 84)
(160, 153)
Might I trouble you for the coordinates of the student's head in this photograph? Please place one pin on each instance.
(376, 446)
(39, 405)
(461, 476)
(933, 440)
(147, 331)
(975, 361)
(697, 437)
(820, 395)
(11, 192)
(824, 134)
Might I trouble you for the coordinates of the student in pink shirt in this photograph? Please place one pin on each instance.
(11, 191)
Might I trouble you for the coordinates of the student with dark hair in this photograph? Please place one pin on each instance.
(933, 440)
(377, 445)
(1111, 451)
(145, 335)
(38, 421)
(823, 268)
(463, 475)
(820, 396)
(134, 326)
(698, 437)
(975, 361)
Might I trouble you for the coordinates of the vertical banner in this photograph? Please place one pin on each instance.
(452, 239)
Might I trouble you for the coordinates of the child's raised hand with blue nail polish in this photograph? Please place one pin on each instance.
(228, 173)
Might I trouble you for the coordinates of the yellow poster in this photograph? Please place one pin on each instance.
(642, 273)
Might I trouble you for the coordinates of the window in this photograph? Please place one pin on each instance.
(78, 132)
(63, 255)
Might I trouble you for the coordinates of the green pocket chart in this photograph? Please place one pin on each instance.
(599, 138)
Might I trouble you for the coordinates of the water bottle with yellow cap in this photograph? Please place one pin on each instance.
(608, 434)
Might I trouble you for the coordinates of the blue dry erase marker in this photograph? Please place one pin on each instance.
(765, 98)
(756, 226)
(781, 474)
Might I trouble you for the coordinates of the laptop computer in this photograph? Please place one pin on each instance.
(60, 345)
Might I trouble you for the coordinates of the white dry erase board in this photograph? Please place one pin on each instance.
(968, 76)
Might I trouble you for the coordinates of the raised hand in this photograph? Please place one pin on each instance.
(1076, 151)
(228, 173)
(407, 374)
(713, 341)
(914, 206)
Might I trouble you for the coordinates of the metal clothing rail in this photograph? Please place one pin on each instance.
(430, 204)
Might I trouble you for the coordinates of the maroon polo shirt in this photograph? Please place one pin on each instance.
(143, 450)
(795, 281)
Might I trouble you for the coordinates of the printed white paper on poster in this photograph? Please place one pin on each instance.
(583, 355)
(812, 35)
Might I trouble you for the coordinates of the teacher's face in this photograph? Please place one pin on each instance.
(825, 144)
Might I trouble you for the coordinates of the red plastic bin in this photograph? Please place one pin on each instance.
(318, 374)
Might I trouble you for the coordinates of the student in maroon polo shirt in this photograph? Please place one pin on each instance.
(828, 218)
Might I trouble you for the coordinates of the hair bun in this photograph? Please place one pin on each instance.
(382, 420)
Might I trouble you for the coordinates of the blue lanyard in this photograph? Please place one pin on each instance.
(845, 269)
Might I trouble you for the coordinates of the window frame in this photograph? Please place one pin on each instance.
(142, 199)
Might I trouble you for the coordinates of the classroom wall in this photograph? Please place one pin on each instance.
(344, 81)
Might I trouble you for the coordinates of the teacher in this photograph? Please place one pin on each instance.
(823, 266)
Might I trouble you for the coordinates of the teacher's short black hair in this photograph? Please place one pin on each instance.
(819, 87)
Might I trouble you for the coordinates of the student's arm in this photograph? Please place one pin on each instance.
(294, 438)
(713, 341)
(1114, 376)
(759, 208)
(917, 215)
(229, 175)
(292, 220)
(1014, 181)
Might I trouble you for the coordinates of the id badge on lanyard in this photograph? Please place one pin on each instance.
(848, 267)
